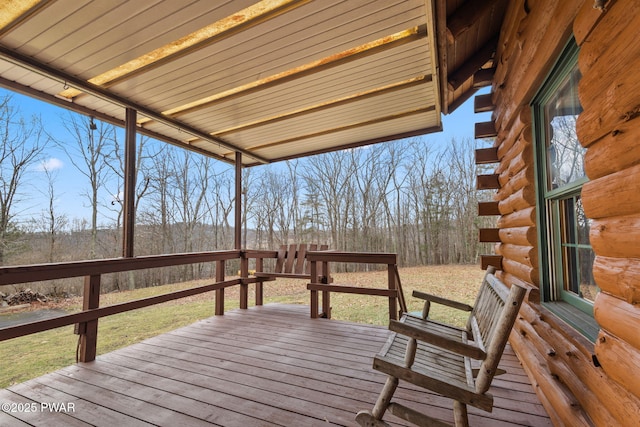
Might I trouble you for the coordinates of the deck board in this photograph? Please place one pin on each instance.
(269, 365)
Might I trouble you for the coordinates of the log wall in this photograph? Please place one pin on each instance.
(558, 360)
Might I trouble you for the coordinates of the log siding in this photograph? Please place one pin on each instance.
(557, 358)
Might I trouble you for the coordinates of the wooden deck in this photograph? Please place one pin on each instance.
(269, 365)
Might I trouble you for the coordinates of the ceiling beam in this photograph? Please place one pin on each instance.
(466, 15)
(473, 64)
(483, 77)
(80, 109)
(464, 97)
(102, 93)
(346, 127)
(404, 135)
(441, 37)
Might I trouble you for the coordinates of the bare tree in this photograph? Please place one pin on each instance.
(22, 145)
(294, 201)
(155, 216)
(271, 208)
(90, 150)
(220, 208)
(142, 175)
(50, 221)
(328, 178)
(250, 193)
(192, 176)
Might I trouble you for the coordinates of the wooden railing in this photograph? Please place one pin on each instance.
(86, 320)
(320, 261)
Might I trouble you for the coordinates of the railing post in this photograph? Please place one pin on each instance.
(393, 302)
(259, 283)
(314, 294)
(326, 298)
(88, 331)
(244, 274)
(219, 310)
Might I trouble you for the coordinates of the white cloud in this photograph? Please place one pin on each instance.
(50, 165)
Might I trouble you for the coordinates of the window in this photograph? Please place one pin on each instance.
(568, 287)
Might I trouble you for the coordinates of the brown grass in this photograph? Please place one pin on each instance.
(458, 282)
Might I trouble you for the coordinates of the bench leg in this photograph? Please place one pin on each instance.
(385, 397)
(365, 419)
(259, 293)
(460, 414)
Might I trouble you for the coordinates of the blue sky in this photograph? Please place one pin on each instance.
(71, 185)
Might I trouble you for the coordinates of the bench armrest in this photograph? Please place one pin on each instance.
(459, 347)
(442, 301)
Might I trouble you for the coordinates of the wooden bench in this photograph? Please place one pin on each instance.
(291, 263)
(457, 363)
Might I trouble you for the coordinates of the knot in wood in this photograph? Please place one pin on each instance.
(630, 115)
(599, 5)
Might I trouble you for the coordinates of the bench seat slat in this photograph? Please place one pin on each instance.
(445, 386)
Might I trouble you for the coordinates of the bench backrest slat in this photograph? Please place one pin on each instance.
(307, 265)
(282, 252)
(300, 258)
(490, 323)
(292, 259)
(499, 335)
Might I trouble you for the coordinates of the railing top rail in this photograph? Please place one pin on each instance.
(10, 332)
(37, 272)
(260, 253)
(359, 257)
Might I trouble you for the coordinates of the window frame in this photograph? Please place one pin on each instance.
(574, 310)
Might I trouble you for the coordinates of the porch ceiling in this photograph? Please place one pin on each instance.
(273, 79)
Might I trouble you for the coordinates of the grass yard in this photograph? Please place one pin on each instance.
(34, 355)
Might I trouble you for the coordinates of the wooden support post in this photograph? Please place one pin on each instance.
(238, 203)
(393, 302)
(219, 309)
(128, 204)
(314, 294)
(89, 330)
(244, 287)
(326, 296)
(259, 284)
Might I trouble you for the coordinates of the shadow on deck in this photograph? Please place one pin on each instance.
(269, 365)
